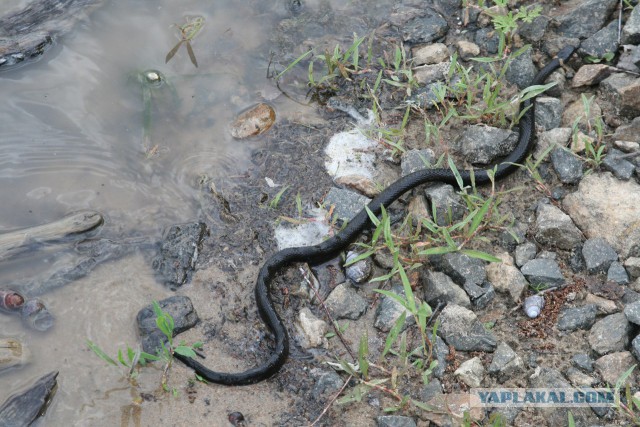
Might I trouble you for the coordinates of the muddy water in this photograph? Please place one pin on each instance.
(72, 137)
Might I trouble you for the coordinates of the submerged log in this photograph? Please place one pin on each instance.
(23, 408)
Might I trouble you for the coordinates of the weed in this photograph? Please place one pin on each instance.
(607, 57)
(594, 149)
(273, 203)
(630, 407)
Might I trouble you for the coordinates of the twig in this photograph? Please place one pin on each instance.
(333, 399)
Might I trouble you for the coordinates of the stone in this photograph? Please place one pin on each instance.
(583, 361)
(602, 42)
(178, 253)
(631, 29)
(446, 204)
(442, 356)
(415, 160)
(558, 137)
(360, 271)
(467, 49)
(586, 19)
(525, 252)
(461, 328)
(484, 144)
(548, 112)
(626, 146)
(481, 295)
(471, 372)
(543, 272)
(575, 112)
(507, 278)
(253, 121)
(601, 208)
(555, 228)
(505, 363)
(347, 204)
(632, 265)
(612, 366)
(521, 70)
(552, 378)
(311, 330)
(430, 54)
(598, 255)
(344, 302)
(179, 307)
(579, 379)
(615, 163)
(440, 289)
(623, 92)
(359, 183)
(327, 383)
(433, 388)
(610, 334)
(426, 74)
(591, 74)
(389, 311)
(460, 267)
(567, 165)
(534, 30)
(632, 311)
(628, 132)
(395, 421)
(605, 306)
(617, 273)
(428, 26)
(635, 347)
(487, 38)
(574, 318)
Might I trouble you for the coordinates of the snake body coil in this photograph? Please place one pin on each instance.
(331, 247)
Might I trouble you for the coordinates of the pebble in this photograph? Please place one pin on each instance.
(484, 144)
(415, 160)
(525, 252)
(347, 204)
(567, 166)
(389, 311)
(467, 49)
(617, 273)
(461, 267)
(179, 307)
(586, 18)
(505, 363)
(612, 366)
(591, 74)
(543, 272)
(461, 328)
(602, 42)
(253, 121)
(311, 330)
(583, 361)
(632, 311)
(548, 112)
(360, 271)
(635, 347)
(440, 289)
(574, 318)
(614, 162)
(430, 54)
(344, 302)
(471, 372)
(598, 255)
(610, 334)
(555, 228)
(631, 29)
(446, 203)
(632, 265)
(395, 421)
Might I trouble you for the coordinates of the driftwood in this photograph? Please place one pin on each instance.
(17, 241)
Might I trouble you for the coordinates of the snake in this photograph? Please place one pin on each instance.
(331, 247)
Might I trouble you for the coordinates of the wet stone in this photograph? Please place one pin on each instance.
(620, 167)
(534, 30)
(347, 203)
(521, 70)
(461, 328)
(460, 267)
(585, 19)
(610, 334)
(598, 255)
(389, 311)
(574, 318)
(603, 41)
(440, 289)
(583, 361)
(184, 317)
(554, 227)
(525, 252)
(471, 372)
(415, 160)
(253, 121)
(484, 144)
(179, 252)
(344, 302)
(543, 272)
(617, 273)
(548, 112)
(359, 271)
(446, 203)
(567, 166)
(427, 27)
(632, 311)
(395, 421)
(505, 363)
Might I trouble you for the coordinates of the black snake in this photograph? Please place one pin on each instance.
(331, 247)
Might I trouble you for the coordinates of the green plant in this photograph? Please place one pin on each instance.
(607, 57)
(630, 408)
(594, 148)
(506, 24)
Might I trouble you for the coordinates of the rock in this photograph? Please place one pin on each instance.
(461, 328)
(442, 356)
(445, 203)
(635, 347)
(598, 255)
(253, 121)
(572, 319)
(616, 164)
(578, 379)
(461, 267)
(344, 302)
(418, 210)
(605, 306)
(555, 228)
(389, 311)
(184, 316)
(13, 353)
(359, 271)
(428, 26)
(632, 264)
(487, 38)
(575, 112)
(430, 54)
(505, 363)
(440, 289)
(395, 421)
(525, 252)
(548, 112)
(543, 272)
(617, 273)
(484, 144)
(576, 261)
(350, 153)
(521, 70)
(601, 208)
(178, 253)
(591, 74)
(612, 366)
(347, 204)
(467, 49)
(632, 311)
(534, 30)
(558, 137)
(327, 383)
(303, 234)
(602, 42)
(311, 330)
(471, 372)
(586, 19)
(567, 165)
(507, 278)
(359, 183)
(583, 361)
(415, 160)
(552, 378)
(631, 29)
(626, 146)
(629, 58)
(623, 92)
(426, 74)
(610, 334)
(481, 295)
(628, 132)
(25, 407)
(579, 143)
(432, 389)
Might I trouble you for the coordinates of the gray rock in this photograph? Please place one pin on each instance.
(440, 289)
(328, 383)
(507, 278)
(471, 372)
(632, 264)
(329, 275)
(602, 42)
(567, 165)
(521, 70)
(415, 160)
(543, 272)
(575, 318)
(632, 311)
(612, 366)
(481, 295)
(525, 252)
(461, 328)
(395, 421)
(591, 74)
(484, 144)
(598, 255)
(389, 311)
(554, 227)
(179, 308)
(487, 38)
(617, 273)
(548, 112)
(579, 379)
(446, 203)
(631, 29)
(178, 253)
(610, 334)
(585, 19)
(344, 302)
(425, 97)
(430, 54)
(583, 361)
(310, 330)
(558, 137)
(360, 271)
(635, 347)
(347, 203)
(619, 166)
(505, 363)
(461, 268)
(534, 30)
(623, 92)
(430, 74)
(429, 391)
(425, 28)
(552, 378)
(441, 355)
